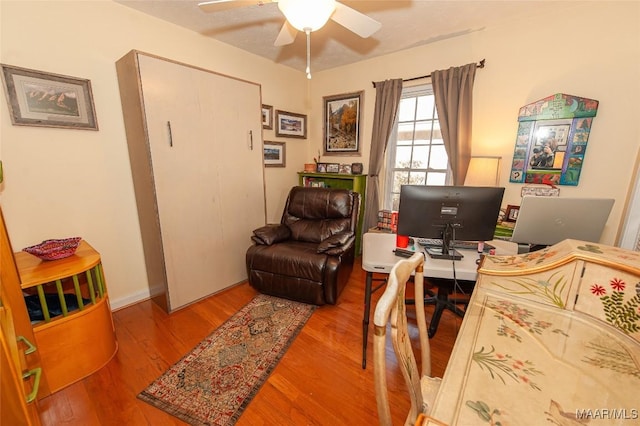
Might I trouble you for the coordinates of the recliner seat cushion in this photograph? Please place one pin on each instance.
(294, 259)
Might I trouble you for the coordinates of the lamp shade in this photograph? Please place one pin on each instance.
(483, 171)
(307, 14)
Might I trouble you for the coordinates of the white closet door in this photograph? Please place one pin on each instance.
(198, 125)
(239, 177)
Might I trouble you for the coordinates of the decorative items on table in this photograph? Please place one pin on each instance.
(387, 220)
(54, 249)
(357, 168)
(333, 168)
(345, 169)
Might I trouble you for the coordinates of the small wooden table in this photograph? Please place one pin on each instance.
(78, 342)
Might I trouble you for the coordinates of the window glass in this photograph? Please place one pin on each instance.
(416, 153)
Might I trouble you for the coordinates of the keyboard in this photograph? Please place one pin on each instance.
(469, 245)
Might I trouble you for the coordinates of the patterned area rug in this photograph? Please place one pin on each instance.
(215, 382)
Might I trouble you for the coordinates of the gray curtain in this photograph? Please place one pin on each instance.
(388, 94)
(453, 90)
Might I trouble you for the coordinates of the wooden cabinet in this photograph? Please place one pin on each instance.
(19, 357)
(195, 147)
(357, 183)
(82, 339)
(41, 356)
(548, 337)
(595, 279)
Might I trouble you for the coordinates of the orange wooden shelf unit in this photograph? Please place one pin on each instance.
(82, 339)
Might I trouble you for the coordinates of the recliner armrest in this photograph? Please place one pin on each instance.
(271, 234)
(337, 244)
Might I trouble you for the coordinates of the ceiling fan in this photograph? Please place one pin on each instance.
(306, 16)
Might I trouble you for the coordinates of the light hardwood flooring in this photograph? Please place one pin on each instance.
(319, 381)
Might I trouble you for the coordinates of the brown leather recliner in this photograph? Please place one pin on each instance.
(309, 255)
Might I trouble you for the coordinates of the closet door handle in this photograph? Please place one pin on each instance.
(170, 134)
(251, 140)
(31, 348)
(36, 383)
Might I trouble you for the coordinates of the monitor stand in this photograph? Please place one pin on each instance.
(446, 251)
(436, 253)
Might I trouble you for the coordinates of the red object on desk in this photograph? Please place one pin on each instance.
(402, 241)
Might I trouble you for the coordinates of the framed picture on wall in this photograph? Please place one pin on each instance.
(552, 140)
(291, 125)
(267, 117)
(275, 154)
(341, 123)
(38, 98)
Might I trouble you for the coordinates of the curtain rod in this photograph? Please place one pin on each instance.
(478, 65)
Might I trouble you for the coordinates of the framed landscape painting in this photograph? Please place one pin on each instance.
(267, 117)
(38, 98)
(274, 154)
(291, 125)
(341, 123)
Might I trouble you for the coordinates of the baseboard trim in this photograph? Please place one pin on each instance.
(129, 300)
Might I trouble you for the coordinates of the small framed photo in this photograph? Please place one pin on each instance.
(345, 169)
(291, 125)
(275, 154)
(341, 123)
(38, 98)
(333, 168)
(511, 215)
(321, 167)
(267, 117)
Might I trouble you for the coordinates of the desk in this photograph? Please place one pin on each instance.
(545, 341)
(378, 257)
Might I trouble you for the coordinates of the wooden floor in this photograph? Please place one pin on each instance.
(319, 381)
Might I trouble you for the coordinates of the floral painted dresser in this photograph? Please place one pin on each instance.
(549, 337)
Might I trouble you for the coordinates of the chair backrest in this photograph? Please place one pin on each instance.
(391, 309)
(314, 214)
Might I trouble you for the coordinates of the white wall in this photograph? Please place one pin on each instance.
(590, 51)
(61, 182)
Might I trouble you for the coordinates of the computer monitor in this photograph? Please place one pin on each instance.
(544, 221)
(465, 213)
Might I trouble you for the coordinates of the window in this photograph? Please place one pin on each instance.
(416, 153)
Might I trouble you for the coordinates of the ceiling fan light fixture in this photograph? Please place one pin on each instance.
(307, 14)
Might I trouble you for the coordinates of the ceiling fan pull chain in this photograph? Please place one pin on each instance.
(308, 32)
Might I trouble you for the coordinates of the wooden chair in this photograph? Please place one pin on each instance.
(391, 309)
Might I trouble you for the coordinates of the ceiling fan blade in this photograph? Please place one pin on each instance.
(355, 21)
(220, 5)
(287, 35)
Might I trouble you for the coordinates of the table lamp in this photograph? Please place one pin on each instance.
(483, 171)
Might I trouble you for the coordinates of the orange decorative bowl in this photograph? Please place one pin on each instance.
(54, 249)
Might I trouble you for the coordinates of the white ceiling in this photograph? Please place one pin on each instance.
(405, 24)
